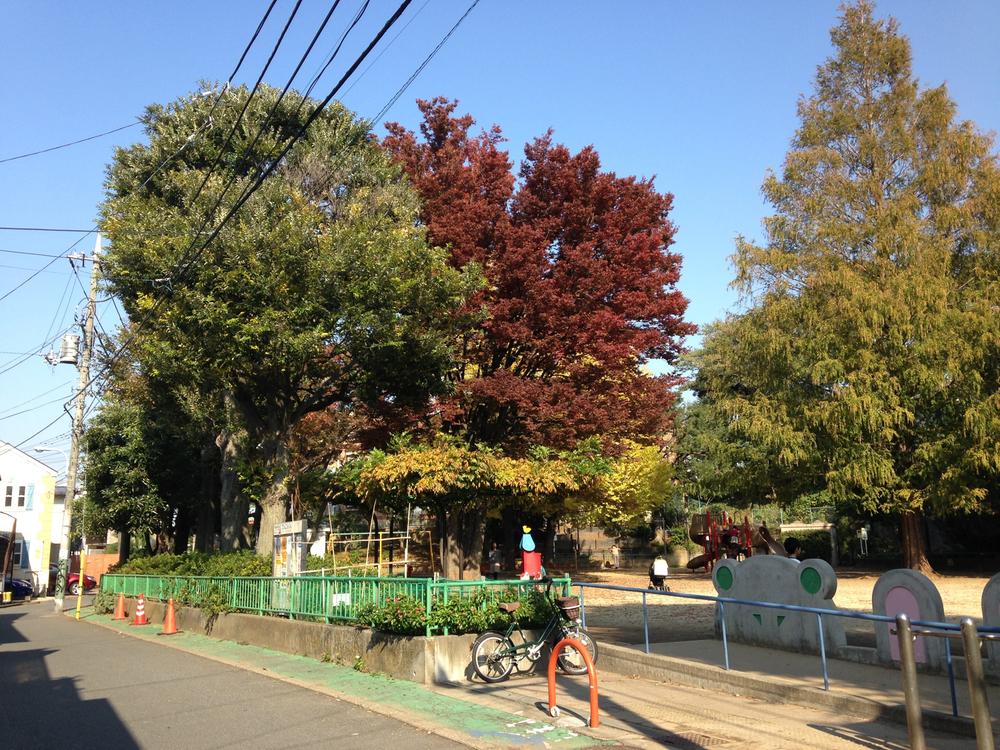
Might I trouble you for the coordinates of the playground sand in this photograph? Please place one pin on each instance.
(617, 615)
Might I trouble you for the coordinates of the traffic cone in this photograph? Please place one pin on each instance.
(120, 609)
(140, 612)
(170, 621)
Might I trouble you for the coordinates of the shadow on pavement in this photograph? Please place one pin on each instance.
(8, 633)
(855, 734)
(39, 711)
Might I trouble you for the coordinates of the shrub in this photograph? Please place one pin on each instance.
(473, 614)
(225, 564)
(104, 602)
(401, 614)
(815, 544)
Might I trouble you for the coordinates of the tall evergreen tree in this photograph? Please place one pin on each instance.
(870, 349)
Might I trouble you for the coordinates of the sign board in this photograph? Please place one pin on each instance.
(289, 560)
(289, 548)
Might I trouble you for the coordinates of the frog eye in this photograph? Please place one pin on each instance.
(724, 578)
(810, 580)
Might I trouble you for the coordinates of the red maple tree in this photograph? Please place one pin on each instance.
(580, 286)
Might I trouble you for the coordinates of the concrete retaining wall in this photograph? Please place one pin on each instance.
(417, 658)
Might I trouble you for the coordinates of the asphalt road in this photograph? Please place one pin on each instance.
(68, 684)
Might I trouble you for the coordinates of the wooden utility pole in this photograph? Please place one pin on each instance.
(74, 445)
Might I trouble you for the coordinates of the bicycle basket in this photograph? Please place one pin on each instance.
(569, 606)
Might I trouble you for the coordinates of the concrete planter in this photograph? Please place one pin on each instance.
(442, 658)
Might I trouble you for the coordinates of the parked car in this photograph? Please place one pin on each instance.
(72, 581)
(19, 589)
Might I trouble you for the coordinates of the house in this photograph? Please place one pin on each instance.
(29, 498)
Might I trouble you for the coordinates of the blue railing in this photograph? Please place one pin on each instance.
(820, 613)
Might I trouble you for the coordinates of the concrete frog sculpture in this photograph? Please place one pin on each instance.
(769, 578)
(914, 594)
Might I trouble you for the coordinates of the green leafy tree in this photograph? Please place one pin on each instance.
(320, 290)
(637, 481)
(461, 484)
(868, 357)
(142, 467)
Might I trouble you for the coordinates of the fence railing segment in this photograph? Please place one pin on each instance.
(325, 598)
(928, 628)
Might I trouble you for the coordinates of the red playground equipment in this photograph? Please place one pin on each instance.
(723, 536)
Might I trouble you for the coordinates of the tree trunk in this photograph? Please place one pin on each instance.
(208, 508)
(182, 531)
(124, 545)
(273, 510)
(463, 552)
(234, 507)
(511, 530)
(914, 543)
(274, 504)
(548, 544)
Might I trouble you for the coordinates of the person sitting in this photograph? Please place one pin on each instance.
(658, 572)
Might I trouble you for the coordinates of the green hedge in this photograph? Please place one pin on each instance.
(404, 615)
(244, 563)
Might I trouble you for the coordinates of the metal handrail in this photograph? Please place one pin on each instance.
(991, 633)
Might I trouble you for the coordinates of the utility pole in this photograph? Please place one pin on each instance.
(74, 445)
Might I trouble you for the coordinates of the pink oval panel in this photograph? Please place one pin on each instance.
(901, 601)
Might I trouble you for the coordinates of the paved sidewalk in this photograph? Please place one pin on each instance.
(470, 723)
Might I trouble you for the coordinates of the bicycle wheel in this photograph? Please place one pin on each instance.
(493, 656)
(570, 660)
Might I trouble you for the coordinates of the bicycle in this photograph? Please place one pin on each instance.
(494, 654)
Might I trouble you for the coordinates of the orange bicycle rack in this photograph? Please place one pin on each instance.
(591, 675)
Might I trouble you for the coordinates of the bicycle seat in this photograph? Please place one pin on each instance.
(509, 607)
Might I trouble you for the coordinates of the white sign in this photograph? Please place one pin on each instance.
(290, 527)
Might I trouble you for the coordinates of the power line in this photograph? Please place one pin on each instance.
(385, 49)
(84, 233)
(33, 408)
(25, 281)
(420, 68)
(333, 54)
(27, 268)
(239, 117)
(64, 299)
(29, 252)
(71, 143)
(46, 229)
(266, 168)
(18, 361)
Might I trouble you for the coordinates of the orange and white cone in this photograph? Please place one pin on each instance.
(120, 609)
(170, 621)
(140, 612)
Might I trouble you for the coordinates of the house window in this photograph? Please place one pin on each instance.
(16, 553)
(21, 492)
(8, 498)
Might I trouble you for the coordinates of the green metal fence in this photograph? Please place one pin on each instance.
(324, 598)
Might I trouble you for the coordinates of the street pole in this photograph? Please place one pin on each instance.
(74, 445)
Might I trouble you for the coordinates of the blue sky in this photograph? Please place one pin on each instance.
(700, 95)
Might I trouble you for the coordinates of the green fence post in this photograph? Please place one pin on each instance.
(446, 587)
(428, 604)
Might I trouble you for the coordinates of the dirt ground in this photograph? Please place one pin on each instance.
(617, 615)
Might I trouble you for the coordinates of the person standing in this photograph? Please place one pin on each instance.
(616, 556)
